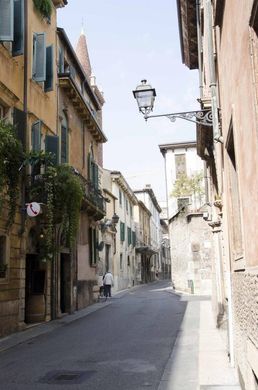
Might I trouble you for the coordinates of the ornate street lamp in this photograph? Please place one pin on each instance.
(145, 97)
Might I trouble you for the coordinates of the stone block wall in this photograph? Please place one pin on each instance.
(245, 304)
(191, 253)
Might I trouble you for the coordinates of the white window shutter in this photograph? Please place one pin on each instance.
(6, 20)
(39, 57)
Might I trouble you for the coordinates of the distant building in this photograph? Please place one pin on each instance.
(147, 196)
(190, 240)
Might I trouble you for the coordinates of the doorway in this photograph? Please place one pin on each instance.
(107, 258)
(65, 283)
(34, 290)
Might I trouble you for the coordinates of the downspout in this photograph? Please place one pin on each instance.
(199, 39)
(213, 85)
(25, 109)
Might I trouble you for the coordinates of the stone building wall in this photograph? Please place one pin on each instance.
(191, 253)
(245, 303)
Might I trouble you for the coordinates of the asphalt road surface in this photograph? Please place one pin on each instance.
(122, 346)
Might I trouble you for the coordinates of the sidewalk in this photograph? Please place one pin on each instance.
(198, 362)
(199, 359)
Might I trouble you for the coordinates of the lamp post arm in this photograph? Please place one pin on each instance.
(202, 117)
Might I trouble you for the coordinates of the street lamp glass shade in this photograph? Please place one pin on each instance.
(145, 96)
(115, 218)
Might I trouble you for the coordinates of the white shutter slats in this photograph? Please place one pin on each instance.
(39, 57)
(6, 20)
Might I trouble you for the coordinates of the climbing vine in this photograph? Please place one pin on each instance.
(10, 160)
(44, 7)
(61, 193)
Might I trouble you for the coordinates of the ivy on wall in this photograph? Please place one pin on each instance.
(61, 192)
(11, 155)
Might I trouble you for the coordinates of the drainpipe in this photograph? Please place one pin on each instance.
(213, 86)
(25, 109)
(199, 38)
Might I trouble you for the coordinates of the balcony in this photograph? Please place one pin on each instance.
(94, 202)
(68, 84)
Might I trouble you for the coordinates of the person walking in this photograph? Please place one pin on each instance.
(108, 282)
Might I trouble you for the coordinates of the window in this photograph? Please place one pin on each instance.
(93, 241)
(131, 210)
(122, 231)
(183, 202)
(36, 136)
(234, 200)
(93, 171)
(19, 120)
(180, 163)
(52, 146)
(126, 205)
(64, 141)
(48, 85)
(3, 257)
(121, 261)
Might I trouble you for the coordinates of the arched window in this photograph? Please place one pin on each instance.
(64, 140)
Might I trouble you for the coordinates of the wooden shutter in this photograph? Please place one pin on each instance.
(96, 176)
(122, 231)
(48, 86)
(72, 71)
(18, 39)
(63, 144)
(19, 122)
(39, 57)
(52, 146)
(6, 20)
(36, 136)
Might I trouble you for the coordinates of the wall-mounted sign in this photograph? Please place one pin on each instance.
(33, 209)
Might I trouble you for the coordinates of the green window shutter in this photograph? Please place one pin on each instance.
(96, 176)
(36, 136)
(52, 146)
(129, 236)
(18, 39)
(64, 145)
(134, 239)
(19, 121)
(48, 86)
(89, 167)
(6, 20)
(93, 246)
(39, 57)
(122, 231)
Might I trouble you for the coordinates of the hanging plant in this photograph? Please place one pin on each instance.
(10, 160)
(44, 7)
(61, 191)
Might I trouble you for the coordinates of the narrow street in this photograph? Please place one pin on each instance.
(123, 345)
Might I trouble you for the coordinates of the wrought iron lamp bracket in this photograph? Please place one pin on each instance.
(201, 117)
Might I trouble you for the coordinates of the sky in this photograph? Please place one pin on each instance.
(131, 40)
